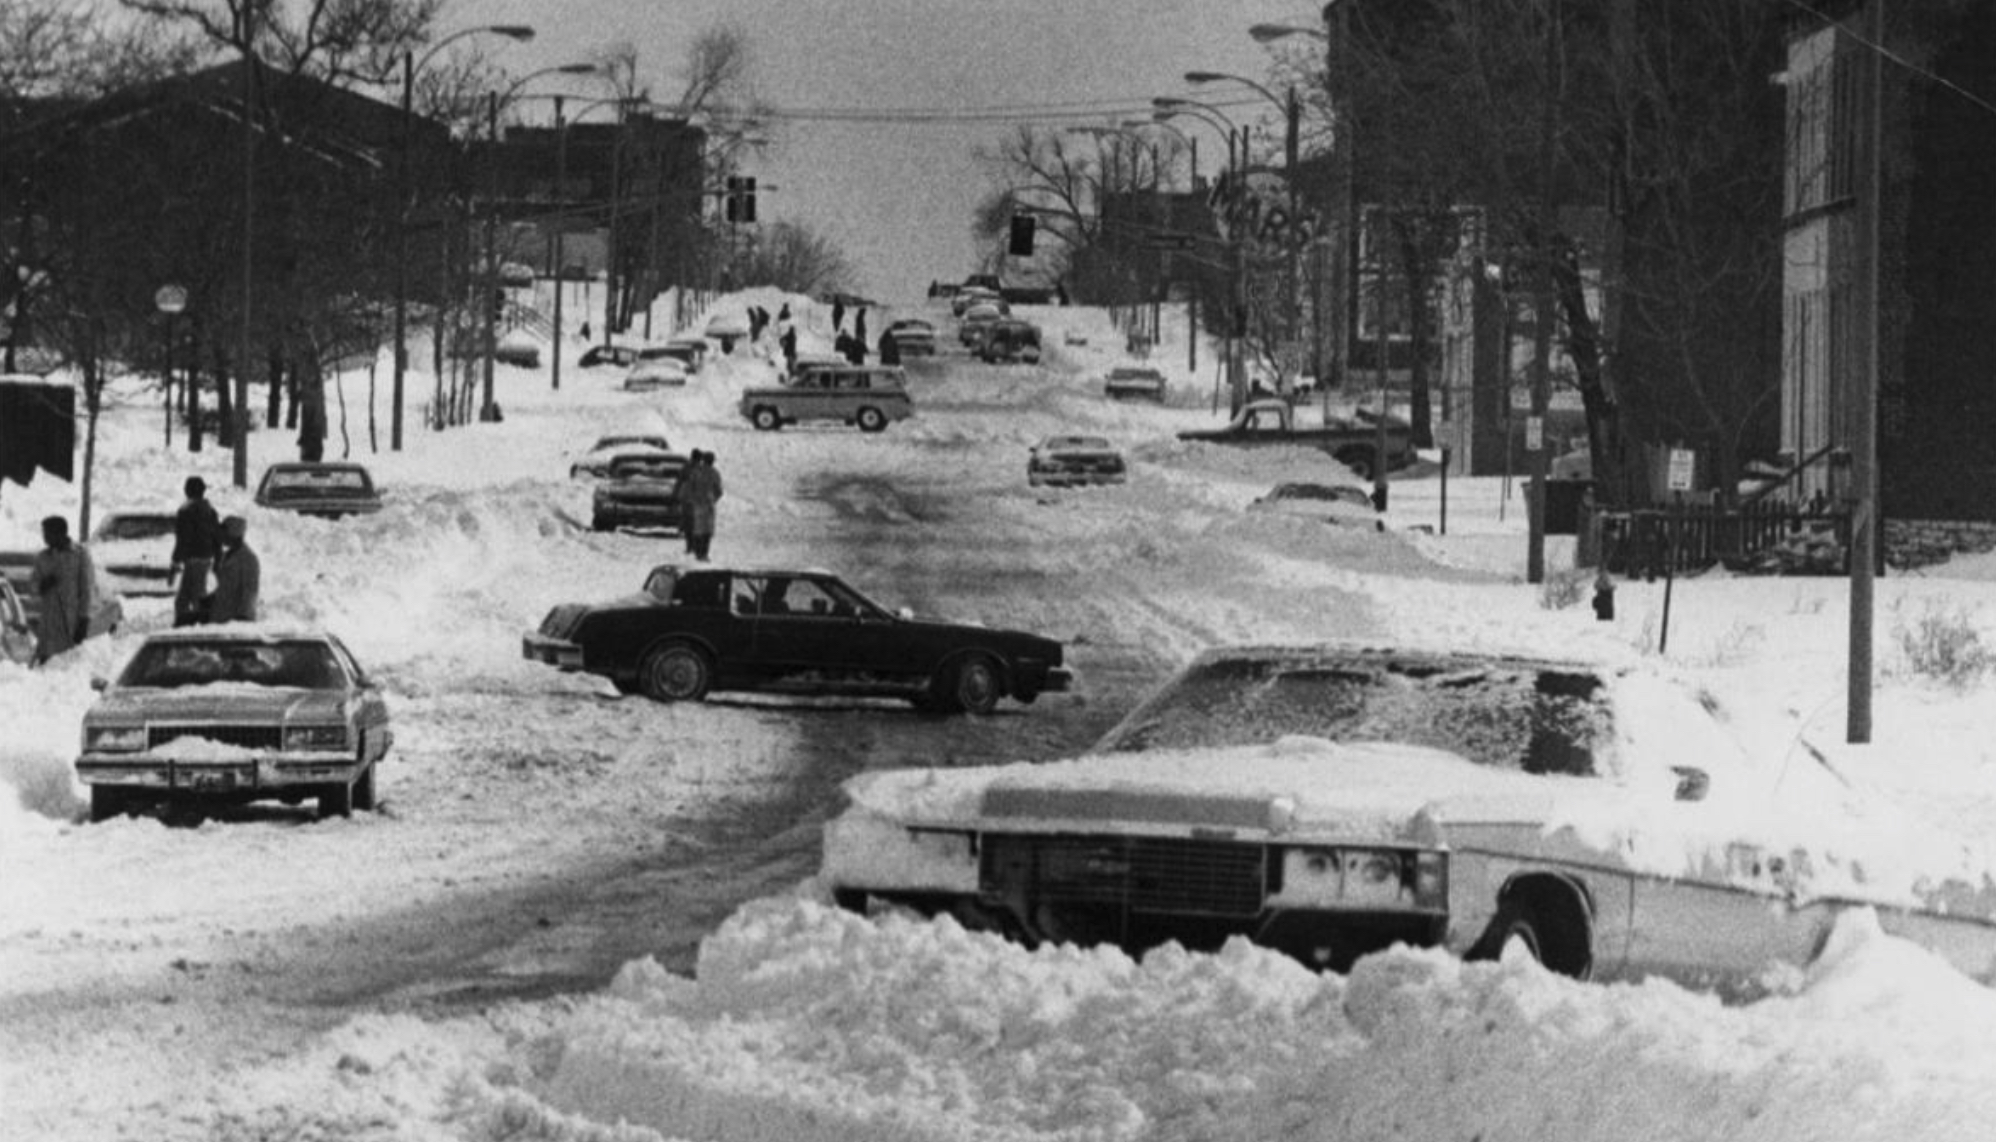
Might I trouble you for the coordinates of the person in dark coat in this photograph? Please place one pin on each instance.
(890, 349)
(699, 490)
(838, 313)
(66, 583)
(859, 327)
(197, 538)
(238, 577)
(789, 342)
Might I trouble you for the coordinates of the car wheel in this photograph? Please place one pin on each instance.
(1359, 460)
(336, 800)
(363, 791)
(870, 419)
(676, 672)
(601, 523)
(766, 419)
(1549, 929)
(970, 685)
(108, 803)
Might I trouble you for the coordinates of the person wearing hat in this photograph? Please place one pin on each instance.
(238, 577)
(197, 536)
(66, 584)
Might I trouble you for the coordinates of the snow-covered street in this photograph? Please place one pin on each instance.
(584, 916)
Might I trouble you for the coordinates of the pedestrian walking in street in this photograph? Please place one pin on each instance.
(789, 343)
(699, 490)
(197, 538)
(238, 577)
(890, 350)
(66, 584)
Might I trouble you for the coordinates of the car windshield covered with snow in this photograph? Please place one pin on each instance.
(302, 664)
(1507, 713)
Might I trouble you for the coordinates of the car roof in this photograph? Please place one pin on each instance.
(1132, 371)
(243, 632)
(1070, 441)
(316, 466)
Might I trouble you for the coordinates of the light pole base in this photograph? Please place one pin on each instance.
(490, 414)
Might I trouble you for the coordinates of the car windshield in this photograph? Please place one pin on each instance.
(1125, 374)
(1532, 717)
(1076, 444)
(649, 468)
(135, 527)
(603, 442)
(1328, 492)
(302, 483)
(300, 663)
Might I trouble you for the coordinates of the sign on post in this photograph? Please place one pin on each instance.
(1683, 462)
(1535, 433)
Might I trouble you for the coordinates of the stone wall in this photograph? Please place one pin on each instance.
(1914, 543)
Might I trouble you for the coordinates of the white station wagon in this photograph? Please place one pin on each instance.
(869, 396)
(1332, 801)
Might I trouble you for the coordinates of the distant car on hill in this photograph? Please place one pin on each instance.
(639, 490)
(329, 490)
(1346, 505)
(867, 396)
(657, 373)
(1064, 461)
(1134, 382)
(913, 337)
(1009, 340)
(616, 356)
(134, 551)
(595, 463)
(700, 629)
(971, 328)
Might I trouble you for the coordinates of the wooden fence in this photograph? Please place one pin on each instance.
(1766, 537)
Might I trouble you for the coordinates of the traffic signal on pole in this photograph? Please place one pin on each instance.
(1023, 226)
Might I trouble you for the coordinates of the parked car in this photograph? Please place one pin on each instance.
(913, 337)
(1007, 340)
(234, 714)
(639, 490)
(1064, 461)
(106, 616)
(595, 463)
(727, 329)
(327, 489)
(869, 396)
(134, 550)
(696, 630)
(518, 347)
(1134, 382)
(615, 356)
(970, 330)
(1329, 801)
(689, 351)
(1346, 505)
(17, 637)
(960, 304)
(658, 373)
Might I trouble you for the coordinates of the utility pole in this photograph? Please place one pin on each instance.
(239, 463)
(489, 277)
(402, 255)
(1542, 302)
(1864, 409)
(560, 225)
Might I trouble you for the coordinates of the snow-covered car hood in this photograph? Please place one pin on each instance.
(219, 702)
(1306, 788)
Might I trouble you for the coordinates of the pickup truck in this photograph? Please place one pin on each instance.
(1353, 443)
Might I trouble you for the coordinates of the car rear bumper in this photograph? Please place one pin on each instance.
(1072, 479)
(560, 652)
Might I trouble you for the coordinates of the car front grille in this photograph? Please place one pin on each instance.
(1139, 874)
(243, 737)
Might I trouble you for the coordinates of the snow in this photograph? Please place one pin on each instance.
(150, 974)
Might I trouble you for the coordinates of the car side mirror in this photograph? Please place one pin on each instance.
(100, 684)
(1692, 782)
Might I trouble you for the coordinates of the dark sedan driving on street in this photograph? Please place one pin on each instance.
(693, 630)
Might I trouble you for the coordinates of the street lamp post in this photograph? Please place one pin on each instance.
(410, 65)
(1164, 108)
(170, 300)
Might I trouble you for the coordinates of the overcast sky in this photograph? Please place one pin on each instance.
(897, 196)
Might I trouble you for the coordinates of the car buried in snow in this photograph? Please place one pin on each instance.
(232, 714)
(699, 629)
(595, 463)
(326, 489)
(639, 490)
(1134, 382)
(1331, 801)
(1066, 461)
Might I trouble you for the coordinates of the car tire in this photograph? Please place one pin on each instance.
(601, 523)
(969, 685)
(870, 419)
(336, 800)
(676, 672)
(1551, 931)
(363, 790)
(1359, 460)
(765, 418)
(108, 803)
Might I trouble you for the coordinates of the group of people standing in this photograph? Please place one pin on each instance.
(205, 544)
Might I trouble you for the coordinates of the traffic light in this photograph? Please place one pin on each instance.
(739, 205)
(1023, 226)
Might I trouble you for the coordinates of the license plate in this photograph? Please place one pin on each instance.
(222, 780)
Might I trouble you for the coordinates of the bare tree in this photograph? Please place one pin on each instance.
(792, 257)
(336, 40)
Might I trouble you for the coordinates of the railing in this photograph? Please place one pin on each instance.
(1764, 537)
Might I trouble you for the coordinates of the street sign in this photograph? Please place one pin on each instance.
(170, 299)
(1682, 463)
(1535, 433)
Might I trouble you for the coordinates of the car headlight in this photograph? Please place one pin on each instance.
(1365, 878)
(114, 739)
(315, 737)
